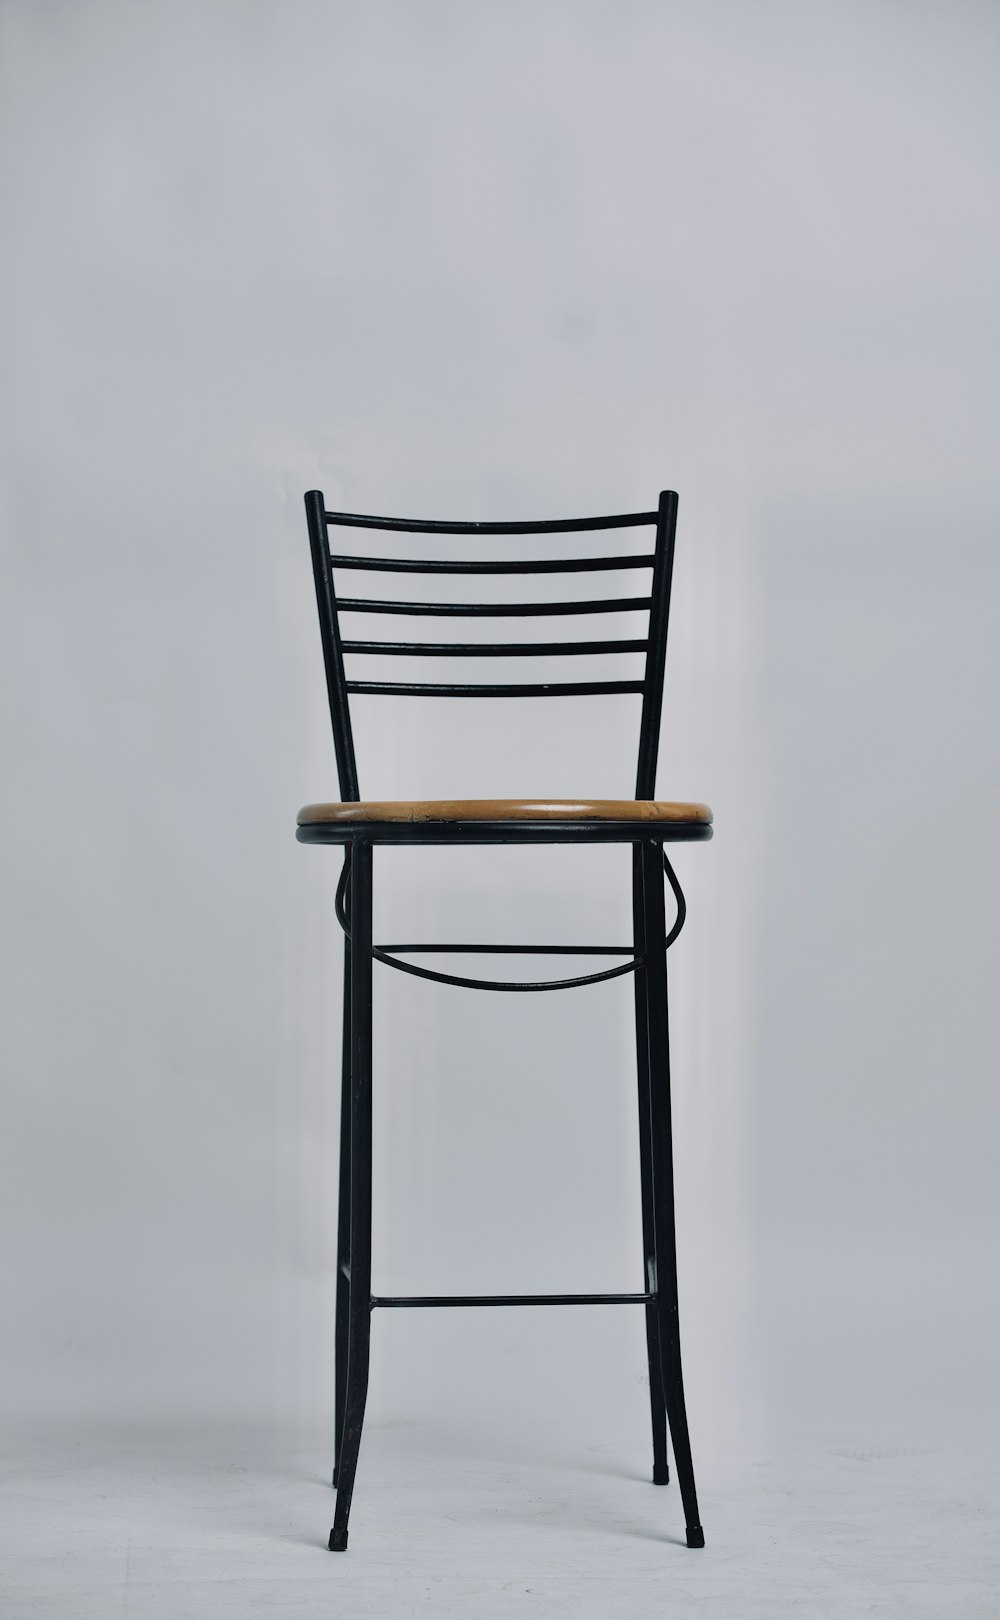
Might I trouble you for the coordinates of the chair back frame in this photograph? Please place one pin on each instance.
(340, 687)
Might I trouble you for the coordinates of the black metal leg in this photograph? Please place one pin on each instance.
(655, 979)
(343, 1223)
(360, 1307)
(658, 1410)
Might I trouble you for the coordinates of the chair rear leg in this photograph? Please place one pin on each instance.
(359, 1317)
(658, 1411)
(343, 1295)
(655, 977)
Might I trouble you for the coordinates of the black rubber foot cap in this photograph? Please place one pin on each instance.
(338, 1540)
(661, 1474)
(696, 1536)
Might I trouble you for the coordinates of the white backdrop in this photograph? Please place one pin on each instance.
(496, 261)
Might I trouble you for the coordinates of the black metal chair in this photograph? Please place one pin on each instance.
(642, 822)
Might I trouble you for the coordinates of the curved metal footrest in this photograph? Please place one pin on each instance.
(382, 954)
(389, 953)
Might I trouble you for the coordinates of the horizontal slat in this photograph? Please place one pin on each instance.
(427, 565)
(408, 1301)
(441, 689)
(491, 649)
(492, 610)
(359, 520)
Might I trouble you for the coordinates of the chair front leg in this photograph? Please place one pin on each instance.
(360, 1258)
(655, 977)
(658, 1410)
(343, 1295)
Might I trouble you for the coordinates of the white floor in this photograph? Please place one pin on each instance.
(154, 1524)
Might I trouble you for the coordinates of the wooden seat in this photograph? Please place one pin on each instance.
(515, 810)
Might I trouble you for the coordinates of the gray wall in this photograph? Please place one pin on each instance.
(498, 260)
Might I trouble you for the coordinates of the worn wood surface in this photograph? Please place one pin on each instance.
(645, 810)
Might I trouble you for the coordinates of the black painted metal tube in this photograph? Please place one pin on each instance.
(434, 565)
(359, 1317)
(491, 649)
(652, 706)
(333, 660)
(519, 950)
(657, 1405)
(413, 1301)
(343, 1294)
(359, 520)
(492, 610)
(506, 985)
(508, 690)
(665, 1281)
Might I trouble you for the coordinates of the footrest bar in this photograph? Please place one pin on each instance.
(381, 954)
(519, 950)
(404, 1302)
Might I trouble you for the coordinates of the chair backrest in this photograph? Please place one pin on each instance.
(336, 648)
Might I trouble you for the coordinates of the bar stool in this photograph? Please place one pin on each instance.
(644, 822)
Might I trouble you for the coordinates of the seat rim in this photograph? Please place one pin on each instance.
(515, 812)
